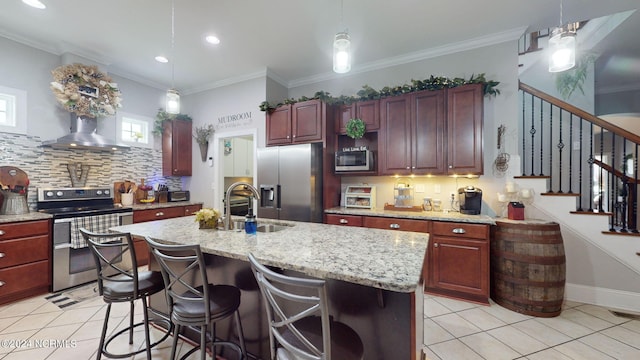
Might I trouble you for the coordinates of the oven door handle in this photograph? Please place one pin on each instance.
(62, 246)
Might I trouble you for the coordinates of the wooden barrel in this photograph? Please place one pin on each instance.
(528, 267)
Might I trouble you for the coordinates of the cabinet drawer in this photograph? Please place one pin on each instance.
(346, 220)
(24, 277)
(396, 224)
(157, 214)
(25, 250)
(474, 231)
(22, 229)
(191, 209)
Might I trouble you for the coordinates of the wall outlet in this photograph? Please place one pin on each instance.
(453, 196)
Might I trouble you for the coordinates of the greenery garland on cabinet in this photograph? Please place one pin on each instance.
(163, 116)
(369, 93)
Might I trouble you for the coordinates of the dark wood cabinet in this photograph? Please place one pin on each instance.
(142, 249)
(176, 148)
(432, 132)
(413, 127)
(25, 267)
(464, 130)
(302, 122)
(344, 220)
(388, 223)
(367, 111)
(457, 262)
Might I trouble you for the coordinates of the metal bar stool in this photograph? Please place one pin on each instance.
(192, 300)
(299, 323)
(120, 281)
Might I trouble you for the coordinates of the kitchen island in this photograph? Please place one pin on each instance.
(374, 276)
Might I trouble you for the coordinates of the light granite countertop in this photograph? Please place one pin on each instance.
(389, 260)
(163, 205)
(420, 215)
(32, 215)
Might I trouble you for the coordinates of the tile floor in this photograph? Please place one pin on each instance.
(37, 329)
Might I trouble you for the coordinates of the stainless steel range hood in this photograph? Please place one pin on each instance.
(83, 136)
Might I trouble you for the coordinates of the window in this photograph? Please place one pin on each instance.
(135, 129)
(13, 110)
(7, 112)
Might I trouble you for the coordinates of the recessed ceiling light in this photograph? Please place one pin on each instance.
(35, 3)
(212, 39)
(162, 59)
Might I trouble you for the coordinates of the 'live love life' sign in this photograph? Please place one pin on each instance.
(239, 120)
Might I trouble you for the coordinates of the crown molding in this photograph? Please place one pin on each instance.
(225, 82)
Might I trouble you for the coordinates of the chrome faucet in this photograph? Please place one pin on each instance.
(227, 206)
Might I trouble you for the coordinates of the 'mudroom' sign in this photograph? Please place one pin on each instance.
(234, 120)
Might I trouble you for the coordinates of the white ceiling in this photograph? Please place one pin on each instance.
(290, 38)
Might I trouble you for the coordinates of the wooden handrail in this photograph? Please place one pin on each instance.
(581, 113)
(616, 173)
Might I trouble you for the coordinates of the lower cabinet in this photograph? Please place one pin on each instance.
(457, 261)
(142, 250)
(396, 224)
(25, 268)
(344, 220)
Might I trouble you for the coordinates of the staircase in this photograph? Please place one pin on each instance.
(584, 172)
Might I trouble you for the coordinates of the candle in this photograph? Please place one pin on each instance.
(510, 186)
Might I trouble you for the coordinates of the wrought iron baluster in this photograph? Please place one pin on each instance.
(560, 146)
(601, 190)
(590, 161)
(524, 122)
(570, 153)
(623, 190)
(532, 131)
(634, 203)
(580, 168)
(612, 184)
(550, 147)
(541, 138)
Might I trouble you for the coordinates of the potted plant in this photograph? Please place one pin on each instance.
(202, 135)
(355, 128)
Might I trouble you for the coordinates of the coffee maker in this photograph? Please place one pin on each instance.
(470, 199)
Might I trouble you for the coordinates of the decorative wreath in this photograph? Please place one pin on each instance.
(355, 128)
(85, 90)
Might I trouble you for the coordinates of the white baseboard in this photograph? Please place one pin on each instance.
(624, 301)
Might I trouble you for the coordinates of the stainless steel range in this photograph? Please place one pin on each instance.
(72, 209)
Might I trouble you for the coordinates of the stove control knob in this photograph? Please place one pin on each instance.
(98, 192)
(59, 193)
(106, 192)
(49, 193)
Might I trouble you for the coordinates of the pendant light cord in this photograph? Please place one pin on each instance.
(561, 24)
(173, 51)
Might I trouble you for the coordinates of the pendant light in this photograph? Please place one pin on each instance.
(342, 49)
(173, 97)
(562, 46)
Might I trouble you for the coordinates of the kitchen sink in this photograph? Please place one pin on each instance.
(265, 228)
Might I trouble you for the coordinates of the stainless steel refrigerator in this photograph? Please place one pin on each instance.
(290, 181)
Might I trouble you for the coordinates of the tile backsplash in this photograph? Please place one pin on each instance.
(47, 167)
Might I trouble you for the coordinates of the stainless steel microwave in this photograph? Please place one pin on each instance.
(358, 160)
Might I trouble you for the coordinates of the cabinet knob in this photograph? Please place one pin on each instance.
(458, 231)
(2, 255)
(450, 166)
(408, 167)
(413, 167)
(2, 232)
(159, 213)
(287, 136)
(1, 283)
(344, 221)
(394, 226)
(435, 245)
(187, 211)
(294, 135)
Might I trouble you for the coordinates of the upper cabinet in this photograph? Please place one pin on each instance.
(302, 122)
(464, 130)
(176, 148)
(432, 132)
(412, 140)
(367, 111)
